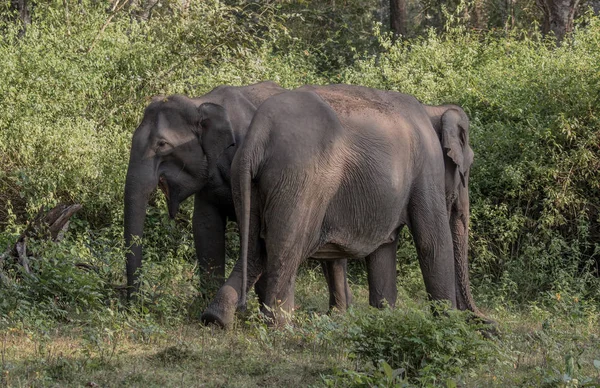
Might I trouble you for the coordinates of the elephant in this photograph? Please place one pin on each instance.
(336, 171)
(176, 149)
(451, 124)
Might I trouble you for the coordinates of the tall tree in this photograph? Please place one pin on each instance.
(22, 9)
(558, 16)
(398, 17)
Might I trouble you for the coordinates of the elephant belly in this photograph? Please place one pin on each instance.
(357, 224)
(332, 251)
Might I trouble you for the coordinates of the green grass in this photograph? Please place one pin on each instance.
(186, 355)
(65, 128)
(551, 345)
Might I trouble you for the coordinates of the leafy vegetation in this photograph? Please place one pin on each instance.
(73, 89)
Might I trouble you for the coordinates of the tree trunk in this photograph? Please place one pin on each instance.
(558, 17)
(398, 17)
(23, 10)
(383, 12)
(595, 4)
(479, 19)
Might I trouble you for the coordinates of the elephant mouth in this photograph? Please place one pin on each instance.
(164, 186)
(172, 195)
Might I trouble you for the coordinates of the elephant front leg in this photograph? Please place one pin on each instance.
(221, 310)
(381, 275)
(209, 239)
(335, 272)
(431, 233)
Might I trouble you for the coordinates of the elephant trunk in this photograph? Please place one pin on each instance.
(140, 182)
(459, 226)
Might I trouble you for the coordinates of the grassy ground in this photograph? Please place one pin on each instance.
(554, 345)
(184, 356)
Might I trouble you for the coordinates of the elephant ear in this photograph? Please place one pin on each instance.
(455, 136)
(216, 133)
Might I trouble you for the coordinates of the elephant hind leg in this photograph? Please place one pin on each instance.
(280, 296)
(221, 310)
(288, 243)
(285, 252)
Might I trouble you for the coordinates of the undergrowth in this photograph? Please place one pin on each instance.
(73, 91)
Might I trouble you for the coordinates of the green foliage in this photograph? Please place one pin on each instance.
(74, 88)
(535, 183)
(72, 93)
(56, 288)
(415, 346)
(343, 31)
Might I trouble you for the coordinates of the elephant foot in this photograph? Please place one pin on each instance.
(335, 310)
(214, 317)
(221, 311)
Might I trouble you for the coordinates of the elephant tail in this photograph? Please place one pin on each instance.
(245, 181)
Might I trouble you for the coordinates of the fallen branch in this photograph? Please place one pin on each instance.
(53, 225)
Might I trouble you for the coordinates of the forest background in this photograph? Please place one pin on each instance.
(75, 77)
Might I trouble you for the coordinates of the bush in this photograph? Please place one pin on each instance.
(535, 181)
(73, 93)
(70, 105)
(412, 345)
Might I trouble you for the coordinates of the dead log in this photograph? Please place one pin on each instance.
(51, 225)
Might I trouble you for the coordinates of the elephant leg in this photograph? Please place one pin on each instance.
(287, 245)
(431, 232)
(279, 296)
(340, 295)
(260, 287)
(221, 310)
(381, 275)
(208, 225)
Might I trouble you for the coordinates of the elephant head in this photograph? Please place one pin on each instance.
(176, 147)
(452, 126)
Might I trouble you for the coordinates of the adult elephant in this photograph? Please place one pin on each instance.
(336, 171)
(451, 125)
(180, 148)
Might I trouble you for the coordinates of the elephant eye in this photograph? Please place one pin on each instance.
(161, 143)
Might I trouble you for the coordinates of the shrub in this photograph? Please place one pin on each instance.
(71, 96)
(535, 181)
(414, 346)
(70, 105)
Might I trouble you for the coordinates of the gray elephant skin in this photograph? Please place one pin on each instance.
(336, 171)
(179, 148)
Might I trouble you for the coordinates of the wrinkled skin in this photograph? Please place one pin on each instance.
(450, 124)
(336, 171)
(173, 149)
